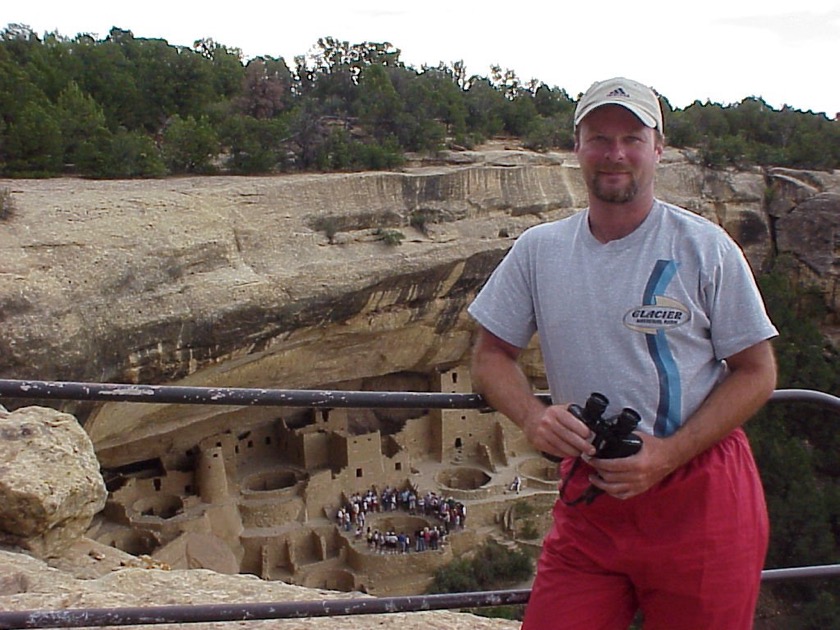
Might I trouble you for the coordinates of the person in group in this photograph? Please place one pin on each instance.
(656, 309)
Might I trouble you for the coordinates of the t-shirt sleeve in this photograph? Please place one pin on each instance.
(505, 305)
(738, 315)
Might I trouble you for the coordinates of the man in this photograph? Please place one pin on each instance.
(656, 308)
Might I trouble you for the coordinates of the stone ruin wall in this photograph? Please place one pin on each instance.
(270, 494)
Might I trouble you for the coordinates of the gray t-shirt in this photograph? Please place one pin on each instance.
(646, 320)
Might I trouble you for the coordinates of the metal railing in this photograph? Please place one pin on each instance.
(324, 399)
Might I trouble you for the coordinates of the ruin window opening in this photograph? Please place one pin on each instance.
(454, 377)
(458, 443)
(157, 485)
(398, 466)
(358, 472)
(188, 489)
(268, 439)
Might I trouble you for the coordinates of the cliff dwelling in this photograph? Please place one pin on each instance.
(264, 494)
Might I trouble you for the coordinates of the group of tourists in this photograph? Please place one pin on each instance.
(353, 515)
(389, 542)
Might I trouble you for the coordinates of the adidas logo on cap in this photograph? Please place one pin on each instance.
(619, 91)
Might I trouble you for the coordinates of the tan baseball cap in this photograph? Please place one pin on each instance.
(638, 98)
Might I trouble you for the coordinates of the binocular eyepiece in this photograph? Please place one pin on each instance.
(613, 436)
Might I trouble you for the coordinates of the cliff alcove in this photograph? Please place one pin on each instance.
(286, 282)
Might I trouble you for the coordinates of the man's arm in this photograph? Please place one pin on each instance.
(497, 376)
(750, 382)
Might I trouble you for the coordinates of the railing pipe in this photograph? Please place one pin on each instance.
(801, 573)
(197, 613)
(80, 618)
(240, 396)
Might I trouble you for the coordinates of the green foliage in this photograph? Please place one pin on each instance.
(343, 107)
(32, 143)
(390, 237)
(130, 154)
(419, 220)
(189, 146)
(529, 531)
(81, 119)
(456, 577)
(544, 134)
(752, 132)
(329, 225)
(796, 447)
(492, 566)
(524, 508)
(253, 145)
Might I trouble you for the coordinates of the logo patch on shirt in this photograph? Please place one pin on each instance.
(664, 315)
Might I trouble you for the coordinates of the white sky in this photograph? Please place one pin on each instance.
(721, 50)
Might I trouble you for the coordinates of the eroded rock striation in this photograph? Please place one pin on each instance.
(287, 282)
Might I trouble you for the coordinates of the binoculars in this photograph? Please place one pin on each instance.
(613, 436)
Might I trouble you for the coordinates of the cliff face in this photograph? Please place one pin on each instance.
(287, 282)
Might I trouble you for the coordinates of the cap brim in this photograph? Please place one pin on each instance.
(647, 119)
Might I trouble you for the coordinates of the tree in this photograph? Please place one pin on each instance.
(131, 154)
(266, 89)
(227, 70)
(378, 105)
(189, 145)
(252, 145)
(485, 108)
(107, 76)
(32, 143)
(81, 120)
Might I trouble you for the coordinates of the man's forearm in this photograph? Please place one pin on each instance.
(497, 376)
(733, 402)
(507, 390)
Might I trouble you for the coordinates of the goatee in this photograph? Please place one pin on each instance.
(609, 194)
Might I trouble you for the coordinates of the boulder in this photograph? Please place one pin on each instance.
(50, 485)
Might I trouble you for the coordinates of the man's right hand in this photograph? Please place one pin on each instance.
(557, 432)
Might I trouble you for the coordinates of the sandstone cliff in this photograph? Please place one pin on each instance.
(286, 282)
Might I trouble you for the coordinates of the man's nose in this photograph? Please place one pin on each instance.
(615, 151)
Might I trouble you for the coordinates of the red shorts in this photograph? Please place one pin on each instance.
(688, 552)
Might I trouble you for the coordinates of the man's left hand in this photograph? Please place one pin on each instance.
(625, 477)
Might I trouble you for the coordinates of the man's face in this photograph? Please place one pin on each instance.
(617, 154)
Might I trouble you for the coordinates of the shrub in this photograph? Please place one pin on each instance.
(492, 566)
(390, 237)
(327, 225)
(189, 145)
(419, 220)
